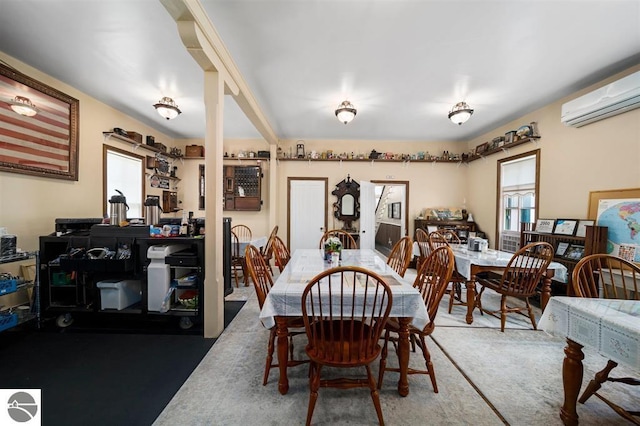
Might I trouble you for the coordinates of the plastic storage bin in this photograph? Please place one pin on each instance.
(117, 294)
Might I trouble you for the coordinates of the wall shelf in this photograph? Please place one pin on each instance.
(113, 135)
(505, 148)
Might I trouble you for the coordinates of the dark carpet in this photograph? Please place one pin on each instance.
(102, 377)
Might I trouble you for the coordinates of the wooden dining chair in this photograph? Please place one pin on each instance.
(340, 334)
(261, 273)
(243, 232)
(237, 260)
(280, 253)
(400, 255)
(520, 280)
(431, 281)
(607, 277)
(422, 239)
(348, 242)
(267, 250)
(442, 238)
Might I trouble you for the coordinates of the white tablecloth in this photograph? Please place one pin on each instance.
(610, 326)
(465, 258)
(257, 242)
(285, 298)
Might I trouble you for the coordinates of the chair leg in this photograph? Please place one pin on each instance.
(595, 384)
(503, 312)
(452, 294)
(532, 316)
(374, 395)
(383, 358)
(427, 360)
(270, 348)
(314, 385)
(478, 301)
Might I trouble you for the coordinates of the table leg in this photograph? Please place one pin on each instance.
(572, 371)
(471, 297)
(403, 355)
(282, 333)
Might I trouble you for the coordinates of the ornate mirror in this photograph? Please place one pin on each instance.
(347, 207)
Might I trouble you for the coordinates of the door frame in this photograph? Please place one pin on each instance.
(326, 202)
(406, 198)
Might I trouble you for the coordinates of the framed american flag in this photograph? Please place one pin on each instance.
(41, 144)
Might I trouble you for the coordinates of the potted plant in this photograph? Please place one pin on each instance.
(332, 245)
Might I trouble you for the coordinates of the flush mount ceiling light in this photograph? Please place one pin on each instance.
(346, 112)
(23, 106)
(167, 108)
(460, 113)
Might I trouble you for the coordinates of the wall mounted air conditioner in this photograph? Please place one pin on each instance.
(613, 99)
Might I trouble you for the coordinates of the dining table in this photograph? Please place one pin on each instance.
(285, 300)
(257, 242)
(470, 263)
(611, 327)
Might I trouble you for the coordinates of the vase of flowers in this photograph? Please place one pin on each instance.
(332, 245)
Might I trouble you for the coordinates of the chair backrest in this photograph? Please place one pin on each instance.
(267, 250)
(243, 232)
(422, 238)
(235, 245)
(340, 331)
(259, 273)
(443, 237)
(401, 255)
(280, 253)
(606, 276)
(348, 242)
(525, 269)
(432, 279)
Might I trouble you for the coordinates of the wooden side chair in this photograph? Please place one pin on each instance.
(444, 238)
(520, 280)
(432, 279)
(262, 281)
(341, 335)
(609, 277)
(280, 253)
(422, 238)
(237, 260)
(267, 250)
(243, 232)
(348, 242)
(400, 256)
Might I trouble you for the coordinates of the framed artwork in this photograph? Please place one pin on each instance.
(596, 196)
(395, 210)
(562, 249)
(619, 212)
(41, 140)
(574, 252)
(545, 225)
(581, 230)
(565, 226)
(480, 149)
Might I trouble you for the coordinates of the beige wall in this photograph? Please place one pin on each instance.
(600, 156)
(574, 161)
(29, 205)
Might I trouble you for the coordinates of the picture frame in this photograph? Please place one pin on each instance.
(396, 210)
(45, 144)
(561, 249)
(581, 230)
(565, 226)
(613, 194)
(574, 252)
(545, 225)
(480, 149)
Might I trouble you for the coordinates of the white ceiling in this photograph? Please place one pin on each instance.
(402, 63)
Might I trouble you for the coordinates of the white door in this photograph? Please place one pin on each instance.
(307, 212)
(367, 215)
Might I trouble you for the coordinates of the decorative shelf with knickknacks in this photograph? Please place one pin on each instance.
(513, 138)
(572, 239)
(135, 139)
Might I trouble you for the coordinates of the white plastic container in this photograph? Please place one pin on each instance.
(159, 274)
(117, 294)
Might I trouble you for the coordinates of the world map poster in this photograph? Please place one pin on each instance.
(622, 217)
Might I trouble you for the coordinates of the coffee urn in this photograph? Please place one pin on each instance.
(118, 209)
(152, 210)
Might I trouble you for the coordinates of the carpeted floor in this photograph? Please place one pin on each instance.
(485, 377)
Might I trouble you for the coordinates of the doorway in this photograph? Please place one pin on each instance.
(391, 213)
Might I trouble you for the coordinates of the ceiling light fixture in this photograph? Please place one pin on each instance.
(460, 113)
(23, 106)
(346, 112)
(167, 108)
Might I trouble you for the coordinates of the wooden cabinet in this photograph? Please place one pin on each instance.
(242, 188)
(461, 227)
(594, 241)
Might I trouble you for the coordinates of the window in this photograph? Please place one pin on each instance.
(124, 171)
(518, 183)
